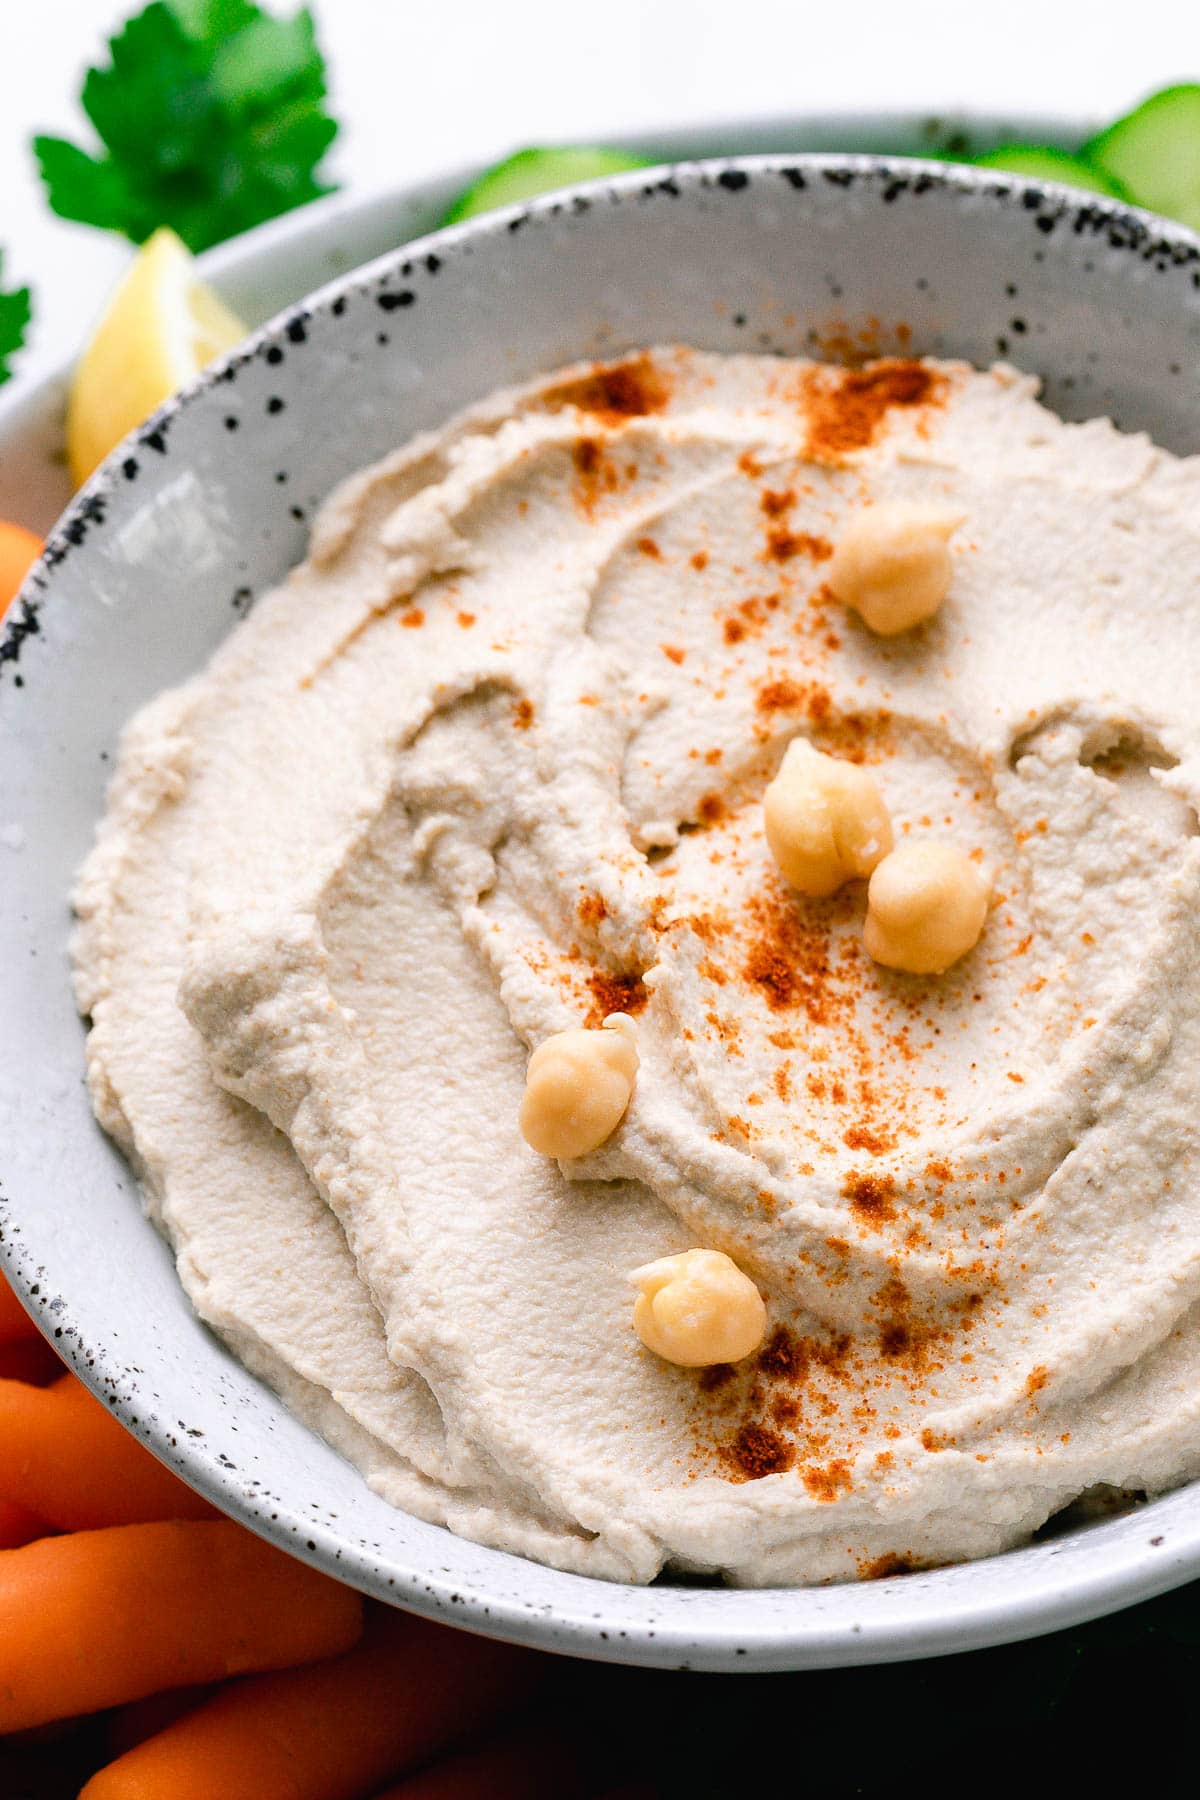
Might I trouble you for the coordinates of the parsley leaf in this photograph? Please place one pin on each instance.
(15, 313)
(212, 118)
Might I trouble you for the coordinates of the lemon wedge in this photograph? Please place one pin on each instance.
(160, 328)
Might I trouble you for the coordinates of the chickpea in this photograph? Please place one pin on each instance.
(892, 564)
(825, 820)
(698, 1308)
(577, 1088)
(925, 908)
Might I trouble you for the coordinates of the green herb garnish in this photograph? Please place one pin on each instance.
(212, 118)
(15, 313)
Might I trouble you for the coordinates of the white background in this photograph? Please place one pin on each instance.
(424, 84)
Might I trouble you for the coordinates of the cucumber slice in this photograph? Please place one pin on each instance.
(532, 172)
(1154, 152)
(1040, 163)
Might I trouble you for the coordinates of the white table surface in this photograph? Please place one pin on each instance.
(426, 84)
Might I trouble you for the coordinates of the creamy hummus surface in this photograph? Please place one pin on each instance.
(491, 764)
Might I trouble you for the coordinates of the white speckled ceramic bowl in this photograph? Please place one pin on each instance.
(148, 569)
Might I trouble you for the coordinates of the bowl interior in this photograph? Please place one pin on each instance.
(209, 504)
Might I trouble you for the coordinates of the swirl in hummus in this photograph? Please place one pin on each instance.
(490, 765)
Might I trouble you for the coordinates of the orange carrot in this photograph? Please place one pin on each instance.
(30, 1360)
(65, 1457)
(334, 1731)
(19, 550)
(131, 1725)
(19, 1526)
(15, 1322)
(98, 1618)
(532, 1760)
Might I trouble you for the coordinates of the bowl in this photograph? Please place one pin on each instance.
(151, 564)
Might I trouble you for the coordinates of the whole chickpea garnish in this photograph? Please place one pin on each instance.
(926, 907)
(892, 564)
(698, 1308)
(825, 820)
(578, 1086)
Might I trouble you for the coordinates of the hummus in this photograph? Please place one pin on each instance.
(490, 764)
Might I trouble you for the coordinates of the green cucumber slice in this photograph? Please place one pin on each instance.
(1154, 152)
(1040, 163)
(532, 172)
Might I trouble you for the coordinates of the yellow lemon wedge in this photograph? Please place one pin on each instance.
(160, 328)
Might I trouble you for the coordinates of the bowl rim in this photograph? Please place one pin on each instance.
(951, 1621)
(376, 212)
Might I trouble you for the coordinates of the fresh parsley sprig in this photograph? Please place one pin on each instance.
(212, 118)
(15, 313)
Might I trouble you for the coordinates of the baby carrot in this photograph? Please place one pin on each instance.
(531, 1760)
(98, 1618)
(19, 1526)
(19, 550)
(333, 1731)
(29, 1359)
(64, 1456)
(141, 1719)
(15, 1322)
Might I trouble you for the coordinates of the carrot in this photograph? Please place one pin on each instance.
(64, 1456)
(15, 1322)
(19, 1526)
(131, 1725)
(30, 1360)
(19, 550)
(531, 1760)
(98, 1618)
(334, 1731)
